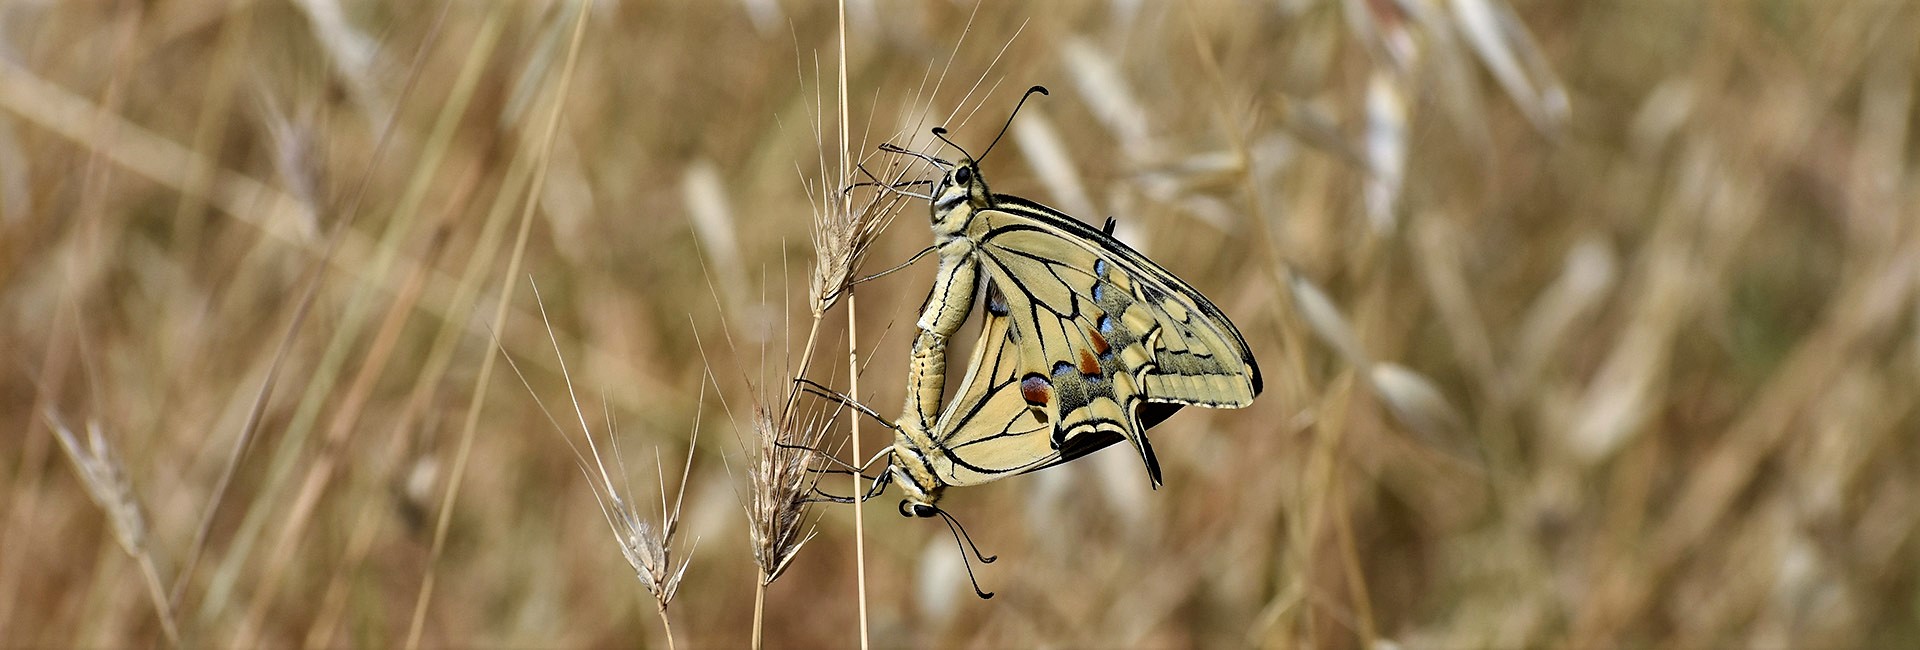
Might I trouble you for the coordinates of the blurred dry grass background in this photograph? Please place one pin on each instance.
(1583, 323)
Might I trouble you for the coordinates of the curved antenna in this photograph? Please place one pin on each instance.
(1016, 111)
(941, 133)
(960, 533)
(984, 559)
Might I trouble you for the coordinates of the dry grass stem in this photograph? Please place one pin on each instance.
(464, 452)
(853, 339)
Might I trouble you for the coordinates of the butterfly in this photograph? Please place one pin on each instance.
(1085, 343)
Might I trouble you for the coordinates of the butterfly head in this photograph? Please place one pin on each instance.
(920, 488)
(958, 194)
(910, 509)
(960, 191)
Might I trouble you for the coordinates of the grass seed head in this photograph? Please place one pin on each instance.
(105, 478)
(781, 486)
(844, 228)
(648, 548)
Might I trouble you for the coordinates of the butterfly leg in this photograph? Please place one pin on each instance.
(817, 495)
(845, 467)
(840, 472)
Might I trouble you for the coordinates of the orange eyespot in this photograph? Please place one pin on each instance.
(1088, 365)
(1036, 389)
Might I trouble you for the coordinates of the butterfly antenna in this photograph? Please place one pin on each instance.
(941, 133)
(896, 188)
(984, 559)
(1016, 111)
(960, 533)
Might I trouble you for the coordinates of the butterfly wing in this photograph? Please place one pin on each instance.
(1115, 342)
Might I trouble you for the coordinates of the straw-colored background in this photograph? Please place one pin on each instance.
(1641, 371)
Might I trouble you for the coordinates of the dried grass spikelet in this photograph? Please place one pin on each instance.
(1412, 398)
(1415, 401)
(1325, 319)
(845, 225)
(105, 479)
(1386, 149)
(780, 488)
(1515, 60)
(647, 548)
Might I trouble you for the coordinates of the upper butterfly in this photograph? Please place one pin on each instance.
(1104, 343)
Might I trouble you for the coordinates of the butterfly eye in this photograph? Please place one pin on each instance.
(962, 176)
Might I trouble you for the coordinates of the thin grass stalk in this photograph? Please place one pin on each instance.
(507, 286)
(666, 626)
(1350, 562)
(853, 344)
(853, 432)
(321, 471)
(158, 594)
(464, 292)
(317, 278)
(209, 128)
(806, 358)
(759, 611)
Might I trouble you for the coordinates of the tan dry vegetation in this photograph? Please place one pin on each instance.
(1582, 323)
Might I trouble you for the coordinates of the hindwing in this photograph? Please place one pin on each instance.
(995, 425)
